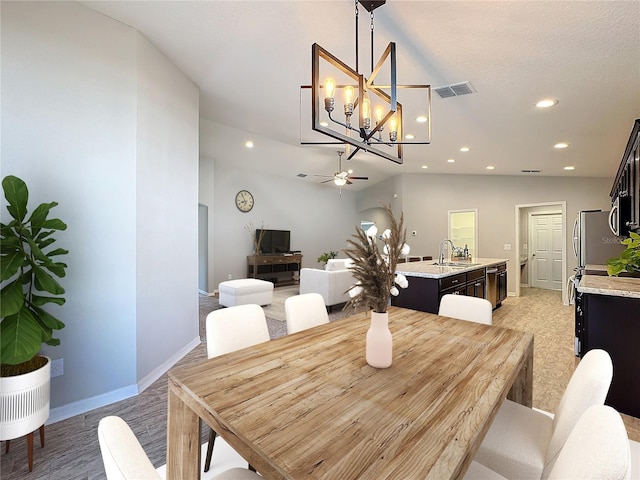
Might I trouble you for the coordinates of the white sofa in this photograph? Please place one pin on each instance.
(332, 283)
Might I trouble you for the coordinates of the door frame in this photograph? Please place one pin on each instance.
(560, 205)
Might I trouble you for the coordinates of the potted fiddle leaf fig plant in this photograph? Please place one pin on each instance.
(29, 267)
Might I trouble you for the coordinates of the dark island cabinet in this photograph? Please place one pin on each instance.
(476, 283)
(501, 279)
(612, 323)
(424, 294)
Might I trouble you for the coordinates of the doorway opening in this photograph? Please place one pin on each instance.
(203, 249)
(550, 244)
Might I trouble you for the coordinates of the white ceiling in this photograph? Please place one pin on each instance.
(249, 59)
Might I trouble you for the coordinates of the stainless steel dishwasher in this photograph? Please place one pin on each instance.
(492, 286)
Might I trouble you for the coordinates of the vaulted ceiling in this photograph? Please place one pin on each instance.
(249, 59)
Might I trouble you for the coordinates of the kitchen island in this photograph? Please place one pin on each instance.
(608, 317)
(428, 282)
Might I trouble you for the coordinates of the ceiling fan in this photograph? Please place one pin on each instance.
(341, 177)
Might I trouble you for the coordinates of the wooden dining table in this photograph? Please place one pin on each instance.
(308, 406)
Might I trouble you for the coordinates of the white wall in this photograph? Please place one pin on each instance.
(167, 212)
(319, 218)
(427, 198)
(80, 126)
(424, 199)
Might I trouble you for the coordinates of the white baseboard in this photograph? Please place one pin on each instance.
(147, 381)
(77, 408)
(82, 406)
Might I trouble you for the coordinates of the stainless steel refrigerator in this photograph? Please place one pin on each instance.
(593, 244)
(593, 241)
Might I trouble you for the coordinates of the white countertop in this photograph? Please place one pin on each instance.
(427, 269)
(614, 286)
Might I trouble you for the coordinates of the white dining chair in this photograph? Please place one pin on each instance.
(463, 307)
(230, 329)
(596, 449)
(305, 311)
(523, 443)
(125, 459)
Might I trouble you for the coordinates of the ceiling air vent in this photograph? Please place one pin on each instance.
(301, 175)
(533, 170)
(455, 90)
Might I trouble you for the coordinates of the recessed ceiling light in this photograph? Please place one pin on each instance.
(569, 167)
(350, 171)
(464, 149)
(546, 103)
(561, 145)
(424, 166)
(324, 124)
(491, 167)
(409, 136)
(451, 160)
(421, 119)
(248, 144)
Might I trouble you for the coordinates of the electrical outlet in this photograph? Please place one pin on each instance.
(228, 276)
(57, 367)
(507, 246)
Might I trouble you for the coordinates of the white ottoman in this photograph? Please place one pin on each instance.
(244, 291)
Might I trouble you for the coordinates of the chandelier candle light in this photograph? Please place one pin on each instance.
(374, 270)
(364, 100)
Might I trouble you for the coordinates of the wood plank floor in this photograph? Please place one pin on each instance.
(72, 451)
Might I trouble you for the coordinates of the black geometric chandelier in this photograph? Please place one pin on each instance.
(371, 115)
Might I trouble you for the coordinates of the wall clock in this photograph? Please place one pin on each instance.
(244, 200)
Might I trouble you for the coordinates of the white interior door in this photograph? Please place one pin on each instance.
(546, 234)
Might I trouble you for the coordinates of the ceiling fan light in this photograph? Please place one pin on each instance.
(340, 181)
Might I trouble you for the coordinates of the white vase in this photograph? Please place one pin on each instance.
(379, 341)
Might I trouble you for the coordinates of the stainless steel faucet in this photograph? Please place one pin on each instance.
(442, 244)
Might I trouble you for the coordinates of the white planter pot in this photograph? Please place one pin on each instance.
(24, 402)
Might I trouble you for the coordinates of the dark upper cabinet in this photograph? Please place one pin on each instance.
(625, 194)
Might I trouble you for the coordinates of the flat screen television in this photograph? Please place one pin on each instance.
(274, 242)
